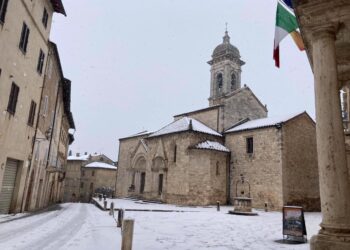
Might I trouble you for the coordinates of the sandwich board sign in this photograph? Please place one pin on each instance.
(294, 224)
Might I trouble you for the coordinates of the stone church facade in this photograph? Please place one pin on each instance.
(196, 159)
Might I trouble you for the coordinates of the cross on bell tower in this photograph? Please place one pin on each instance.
(225, 70)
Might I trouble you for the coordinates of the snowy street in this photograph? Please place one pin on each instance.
(70, 226)
(84, 226)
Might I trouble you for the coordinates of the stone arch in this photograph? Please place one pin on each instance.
(139, 162)
(159, 176)
(158, 164)
(137, 174)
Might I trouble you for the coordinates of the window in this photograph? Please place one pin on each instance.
(217, 168)
(219, 81)
(31, 113)
(81, 184)
(45, 18)
(39, 67)
(3, 8)
(82, 173)
(11, 107)
(175, 149)
(93, 173)
(233, 81)
(24, 38)
(250, 148)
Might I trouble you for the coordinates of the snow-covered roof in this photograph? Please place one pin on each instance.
(97, 164)
(185, 124)
(78, 158)
(81, 157)
(264, 122)
(211, 145)
(138, 134)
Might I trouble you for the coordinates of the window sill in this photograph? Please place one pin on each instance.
(11, 112)
(23, 52)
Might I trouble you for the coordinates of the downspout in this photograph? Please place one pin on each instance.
(36, 132)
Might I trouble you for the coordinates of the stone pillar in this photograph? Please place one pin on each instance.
(333, 171)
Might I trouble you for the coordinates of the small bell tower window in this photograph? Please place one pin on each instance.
(233, 81)
(219, 83)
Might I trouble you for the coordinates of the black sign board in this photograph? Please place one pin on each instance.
(294, 223)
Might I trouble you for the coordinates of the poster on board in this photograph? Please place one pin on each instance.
(294, 223)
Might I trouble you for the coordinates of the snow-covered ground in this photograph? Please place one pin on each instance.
(70, 226)
(83, 226)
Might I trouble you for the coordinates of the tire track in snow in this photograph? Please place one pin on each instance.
(66, 228)
(15, 230)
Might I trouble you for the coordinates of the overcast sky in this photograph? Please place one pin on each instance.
(136, 63)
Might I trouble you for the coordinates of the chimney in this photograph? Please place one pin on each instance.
(85, 153)
(78, 154)
(70, 153)
(190, 126)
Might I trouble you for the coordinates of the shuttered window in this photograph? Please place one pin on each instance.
(32, 111)
(45, 18)
(3, 8)
(12, 104)
(23, 42)
(41, 60)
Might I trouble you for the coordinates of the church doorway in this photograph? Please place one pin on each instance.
(160, 184)
(142, 184)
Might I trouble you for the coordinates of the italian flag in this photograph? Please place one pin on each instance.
(286, 23)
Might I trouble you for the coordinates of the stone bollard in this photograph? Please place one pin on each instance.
(120, 217)
(105, 205)
(266, 207)
(218, 206)
(127, 234)
(111, 209)
(104, 197)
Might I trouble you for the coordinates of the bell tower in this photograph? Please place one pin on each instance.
(225, 71)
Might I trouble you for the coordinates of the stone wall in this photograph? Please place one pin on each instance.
(209, 117)
(240, 105)
(126, 147)
(187, 175)
(94, 178)
(300, 169)
(72, 181)
(207, 183)
(262, 168)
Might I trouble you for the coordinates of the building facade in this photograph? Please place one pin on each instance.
(197, 159)
(52, 137)
(24, 44)
(88, 174)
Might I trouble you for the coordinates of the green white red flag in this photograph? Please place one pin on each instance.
(286, 23)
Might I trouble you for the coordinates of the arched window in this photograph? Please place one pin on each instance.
(233, 81)
(219, 82)
(217, 168)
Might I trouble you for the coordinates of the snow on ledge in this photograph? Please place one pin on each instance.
(97, 164)
(212, 145)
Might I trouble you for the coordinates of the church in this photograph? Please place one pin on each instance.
(199, 158)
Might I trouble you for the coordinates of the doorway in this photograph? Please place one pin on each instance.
(160, 184)
(143, 179)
